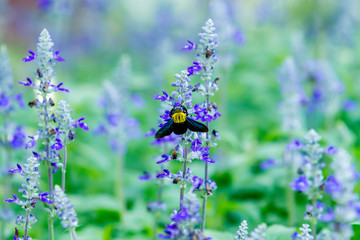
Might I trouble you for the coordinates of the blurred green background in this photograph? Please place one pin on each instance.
(92, 35)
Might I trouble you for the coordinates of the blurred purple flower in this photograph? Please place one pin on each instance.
(239, 37)
(28, 82)
(165, 173)
(57, 57)
(82, 125)
(295, 145)
(59, 88)
(16, 170)
(57, 145)
(166, 96)
(331, 150)
(194, 68)
(189, 47)
(55, 166)
(165, 157)
(268, 163)
(19, 100)
(301, 184)
(350, 105)
(44, 197)
(146, 176)
(31, 57)
(328, 216)
(4, 101)
(205, 155)
(332, 185)
(18, 138)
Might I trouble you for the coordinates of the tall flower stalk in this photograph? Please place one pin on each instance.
(12, 135)
(66, 212)
(118, 124)
(29, 189)
(311, 179)
(206, 111)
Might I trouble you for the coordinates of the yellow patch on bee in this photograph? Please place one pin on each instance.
(179, 117)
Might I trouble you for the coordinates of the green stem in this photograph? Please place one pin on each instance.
(119, 184)
(314, 220)
(26, 224)
(73, 234)
(206, 177)
(51, 228)
(64, 169)
(184, 173)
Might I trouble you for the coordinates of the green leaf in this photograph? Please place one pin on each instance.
(279, 232)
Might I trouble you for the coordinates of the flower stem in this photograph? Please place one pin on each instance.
(26, 223)
(157, 213)
(64, 169)
(290, 195)
(119, 184)
(73, 234)
(51, 228)
(184, 173)
(314, 220)
(206, 177)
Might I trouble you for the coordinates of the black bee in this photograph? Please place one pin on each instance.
(180, 123)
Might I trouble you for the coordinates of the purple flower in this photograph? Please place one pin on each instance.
(32, 142)
(101, 129)
(55, 166)
(57, 57)
(189, 47)
(166, 96)
(18, 138)
(239, 37)
(165, 173)
(82, 125)
(57, 146)
(197, 182)
(146, 176)
(165, 157)
(194, 68)
(44, 197)
(268, 163)
(295, 145)
(328, 216)
(113, 119)
(155, 206)
(331, 150)
(301, 184)
(19, 100)
(332, 185)
(59, 88)
(16, 170)
(28, 83)
(171, 231)
(31, 57)
(350, 105)
(181, 215)
(205, 155)
(294, 236)
(4, 101)
(15, 200)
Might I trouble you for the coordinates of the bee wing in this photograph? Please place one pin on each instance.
(166, 130)
(195, 126)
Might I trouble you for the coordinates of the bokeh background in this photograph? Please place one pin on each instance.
(254, 36)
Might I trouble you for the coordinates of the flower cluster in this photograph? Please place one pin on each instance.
(340, 186)
(259, 232)
(292, 95)
(118, 124)
(311, 179)
(184, 221)
(44, 85)
(304, 233)
(65, 209)
(29, 189)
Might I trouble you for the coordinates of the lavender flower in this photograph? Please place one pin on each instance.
(242, 233)
(305, 233)
(118, 124)
(66, 211)
(292, 95)
(29, 189)
(259, 232)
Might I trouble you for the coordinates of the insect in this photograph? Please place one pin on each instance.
(180, 123)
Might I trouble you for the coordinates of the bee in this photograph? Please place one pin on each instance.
(180, 123)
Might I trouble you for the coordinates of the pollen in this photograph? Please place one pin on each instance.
(179, 117)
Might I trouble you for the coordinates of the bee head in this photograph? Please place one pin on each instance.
(178, 109)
